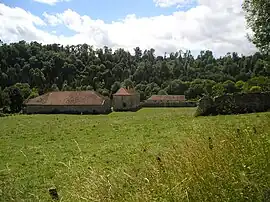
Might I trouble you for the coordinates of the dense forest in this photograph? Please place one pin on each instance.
(30, 69)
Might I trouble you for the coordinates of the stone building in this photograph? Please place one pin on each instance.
(168, 101)
(126, 100)
(168, 98)
(68, 102)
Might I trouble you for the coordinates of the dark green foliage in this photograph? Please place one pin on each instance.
(177, 87)
(205, 106)
(115, 86)
(263, 82)
(240, 85)
(237, 103)
(162, 92)
(195, 90)
(54, 67)
(4, 99)
(258, 15)
(128, 83)
(15, 99)
(1, 97)
(255, 89)
(229, 86)
(33, 94)
(24, 89)
(54, 88)
(218, 89)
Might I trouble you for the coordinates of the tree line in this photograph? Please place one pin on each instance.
(30, 69)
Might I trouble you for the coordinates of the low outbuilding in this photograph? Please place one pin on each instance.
(168, 101)
(168, 98)
(68, 102)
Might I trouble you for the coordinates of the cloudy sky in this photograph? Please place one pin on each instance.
(165, 25)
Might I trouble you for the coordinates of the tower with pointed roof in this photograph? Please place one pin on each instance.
(126, 100)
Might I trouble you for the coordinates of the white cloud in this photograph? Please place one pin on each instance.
(169, 3)
(51, 19)
(51, 2)
(216, 25)
(17, 23)
(90, 31)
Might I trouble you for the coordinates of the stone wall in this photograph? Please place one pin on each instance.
(165, 103)
(50, 109)
(238, 103)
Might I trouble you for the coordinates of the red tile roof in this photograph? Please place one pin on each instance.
(125, 92)
(68, 98)
(168, 97)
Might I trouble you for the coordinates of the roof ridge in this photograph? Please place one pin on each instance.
(68, 98)
(168, 97)
(124, 91)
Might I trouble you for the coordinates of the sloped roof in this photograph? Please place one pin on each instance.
(124, 91)
(168, 97)
(68, 98)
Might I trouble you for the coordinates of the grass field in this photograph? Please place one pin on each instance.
(150, 155)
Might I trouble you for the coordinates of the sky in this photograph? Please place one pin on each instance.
(165, 25)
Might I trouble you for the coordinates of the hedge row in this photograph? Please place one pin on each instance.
(238, 103)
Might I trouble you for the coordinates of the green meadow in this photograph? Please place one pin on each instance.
(151, 155)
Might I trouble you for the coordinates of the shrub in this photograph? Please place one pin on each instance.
(15, 99)
(255, 89)
(237, 103)
(162, 92)
(33, 94)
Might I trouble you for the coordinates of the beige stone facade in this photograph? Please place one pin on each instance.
(126, 103)
(62, 109)
(126, 100)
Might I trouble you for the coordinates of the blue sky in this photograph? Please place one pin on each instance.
(107, 10)
(165, 25)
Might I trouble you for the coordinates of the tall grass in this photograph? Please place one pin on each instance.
(150, 155)
(231, 166)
